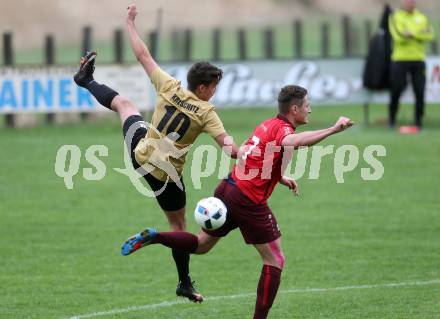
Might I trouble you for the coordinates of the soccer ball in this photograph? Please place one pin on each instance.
(210, 213)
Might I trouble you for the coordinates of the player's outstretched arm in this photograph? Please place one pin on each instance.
(291, 184)
(312, 137)
(226, 142)
(140, 49)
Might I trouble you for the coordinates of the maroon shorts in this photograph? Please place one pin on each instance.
(257, 223)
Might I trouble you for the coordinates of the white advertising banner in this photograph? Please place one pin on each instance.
(244, 84)
(330, 81)
(45, 90)
(433, 80)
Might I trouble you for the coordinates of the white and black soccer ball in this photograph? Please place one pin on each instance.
(210, 213)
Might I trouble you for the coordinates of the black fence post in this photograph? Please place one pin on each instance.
(187, 45)
(268, 43)
(368, 32)
(49, 50)
(86, 40)
(434, 47)
(216, 44)
(241, 37)
(346, 36)
(176, 46)
(153, 37)
(325, 43)
(119, 46)
(8, 60)
(86, 47)
(297, 38)
(8, 55)
(49, 59)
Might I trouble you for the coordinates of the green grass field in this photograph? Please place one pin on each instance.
(373, 248)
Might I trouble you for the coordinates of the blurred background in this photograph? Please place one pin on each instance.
(299, 27)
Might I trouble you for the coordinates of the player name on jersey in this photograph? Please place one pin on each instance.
(185, 105)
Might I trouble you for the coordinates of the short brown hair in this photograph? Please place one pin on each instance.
(290, 95)
(203, 73)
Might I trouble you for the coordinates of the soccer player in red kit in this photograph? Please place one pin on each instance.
(245, 192)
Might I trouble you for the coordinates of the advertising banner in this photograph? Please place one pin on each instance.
(46, 90)
(244, 84)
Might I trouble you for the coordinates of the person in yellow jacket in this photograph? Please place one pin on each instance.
(410, 31)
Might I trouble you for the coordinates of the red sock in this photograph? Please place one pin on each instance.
(267, 290)
(182, 241)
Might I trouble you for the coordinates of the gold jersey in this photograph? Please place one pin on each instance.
(179, 117)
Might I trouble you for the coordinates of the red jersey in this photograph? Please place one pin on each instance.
(259, 168)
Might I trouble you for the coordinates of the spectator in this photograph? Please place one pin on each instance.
(410, 31)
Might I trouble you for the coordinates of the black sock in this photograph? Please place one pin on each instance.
(102, 93)
(181, 259)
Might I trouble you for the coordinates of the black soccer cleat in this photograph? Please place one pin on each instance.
(87, 66)
(188, 291)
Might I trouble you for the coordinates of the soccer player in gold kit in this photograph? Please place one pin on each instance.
(160, 149)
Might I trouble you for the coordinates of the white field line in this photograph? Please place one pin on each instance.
(165, 304)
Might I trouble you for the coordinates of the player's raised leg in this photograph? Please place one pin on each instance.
(273, 263)
(105, 95)
(180, 240)
(205, 243)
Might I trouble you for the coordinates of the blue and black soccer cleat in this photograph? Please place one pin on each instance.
(138, 241)
(86, 68)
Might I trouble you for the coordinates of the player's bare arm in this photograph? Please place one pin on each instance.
(224, 141)
(313, 137)
(140, 49)
(291, 184)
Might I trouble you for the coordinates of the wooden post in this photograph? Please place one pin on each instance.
(366, 114)
(268, 43)
(241, 37)
(49, 59)
(216, 44)
(297, 40)
(8, 60)
(325, 43)
(49, 50)
(434, 47)
(347, 38)
(153, 43)
(8, 56)
(187, 45)
(366, 108)
(86, 40)
(176, 47)
(368, 32)
(158, 30)
(86, 47)
(119, 46)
